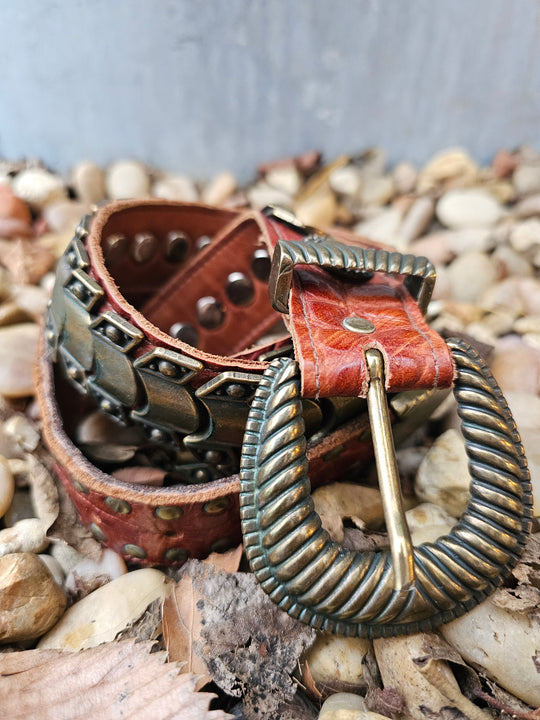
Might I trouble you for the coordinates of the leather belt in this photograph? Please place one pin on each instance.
(168, 318)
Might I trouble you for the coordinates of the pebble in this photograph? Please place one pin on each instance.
(54, 568)
(7, 486)
(404, 176)
(339, 500)
(469, 208)
(443, 476)
(469, 239)
(177, 188)
(66, 556)
(489, 636)
(38, 187)
(25, 536)
(18, 348)
(286, 178)
(220, 189)
(346, 706)
(384, 228)
(21, 506)
(31, 299)
(448, 168)
(526, 179)
(516, 366)
(346, 180)
(88, 575)
(470, 275)
(427, 522)
(22, 431)
(504, 163)
(262, 194)
(334, 659)
(127, 179)
(12, 228)
(436, 247)
(88, 181)
(417, 219)
(509, 262)
(525, 235)
(31, 601)
(377, 190)
(319, 209)
(528, 207)
(102, 614)
(13, 207)
(64, 215)
(11, 314)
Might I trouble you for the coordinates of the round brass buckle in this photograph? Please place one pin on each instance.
(347, 592)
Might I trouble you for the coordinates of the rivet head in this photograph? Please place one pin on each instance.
(144, 247)
(210, 313)
(112, 333)
(168, 512)
(78, 290)
(106, 405)
(176, 246)
(71, 259)
(185, 333)
(122, 507)
(359, 325)
(167, 368)
(157, 435)
(215, 507)
(176, 554)
(236, 390)
(261, 264)
(201, 475)
(239, 289)
(203, 242)
(80, 487)
(97, 532)
(74, 372)
(222, 545)
(134, 551)
(212, 456)
(114, 248)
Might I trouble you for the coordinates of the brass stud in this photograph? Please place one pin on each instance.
(168, 512)
(222, 545)
(359, 325)
(213, 456)
(113, 334)
(80, 487)
(176, 246)
(167, 368)
(210, 313)
(184, 332)
(203, 242)
(201, 475)
(144, 247)
(114, 248)
(216, 507)
(97, 532)
(106, 405)
(78, 290)
(74, 372)
(122, 507)
(261, 264)
(157, 435)
(176, 554)
(235, 390)
(239, 289)
(135, 551)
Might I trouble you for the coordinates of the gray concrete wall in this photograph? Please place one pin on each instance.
(201, 85)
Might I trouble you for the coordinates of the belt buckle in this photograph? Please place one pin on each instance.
(406, 589)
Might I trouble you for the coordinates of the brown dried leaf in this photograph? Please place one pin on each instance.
(68, 528)
(250, 646)
(147, 627)
(116, 680)
(27, 261)
(525, 595)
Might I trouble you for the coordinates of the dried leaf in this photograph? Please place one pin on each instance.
(27, 261)
(117, 680)
(250, 646)
(68, 528)
(147, 627)
(43, 490)
(309, 683)
(522, 593)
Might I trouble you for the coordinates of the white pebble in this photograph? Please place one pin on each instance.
(177, 188)
(363, 505)
(526, 179)
(66, 556)
(38, 187)
(405, 176)
(448, 167)
(25, 536)
(345, 706)
(23, 432)
(384, 228)
(219, 189)
(88, 181)
(510, 262)
(88, 574)
(32, 299)
(54, 568)
(469, 239)
(427, 522)
(127, 179)
(469, 208)
(417, 219)
(334, 659)
(319, 209)
(525, 235)
(443, 476)
(7, 486)
(377, 190)
(346, 180)
(470, 275)
(516, 366)
(287, 179)
(18, 349)
(503, 644)
(100, 616)
(64, 215)
(262, 194)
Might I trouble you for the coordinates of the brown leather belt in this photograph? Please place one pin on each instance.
(161, 316)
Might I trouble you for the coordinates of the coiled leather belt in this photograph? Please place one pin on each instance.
(168, 318)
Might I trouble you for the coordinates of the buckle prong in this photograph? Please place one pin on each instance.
(401, 547)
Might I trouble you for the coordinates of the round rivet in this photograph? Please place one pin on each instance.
(114, 248)
(261, 264)
(144, 247)
(212, 456)
(78, 485)
(74, 372)
(210, 312)
(184, 332)
(176, 246)
(122, 507)
(359, 325)
(176, 554)
(135, 551)
(71, 259)
(239, 289)
(203, 242)
(235, 390)
(167, 368)
(49, 334)
(97, 532)
(78, 290)
(222, 545)
(106, 405)
(113, 333)
(157, 435)
(168, 512)
(201, 475)
(215, 507)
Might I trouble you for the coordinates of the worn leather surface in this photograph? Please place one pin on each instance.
(155, 294)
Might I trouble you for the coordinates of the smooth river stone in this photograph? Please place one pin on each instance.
(7, 486)
(470, 208)
(127, 179)
(18, 348)
(334, 659)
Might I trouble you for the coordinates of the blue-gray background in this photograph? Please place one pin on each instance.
(202, 85)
